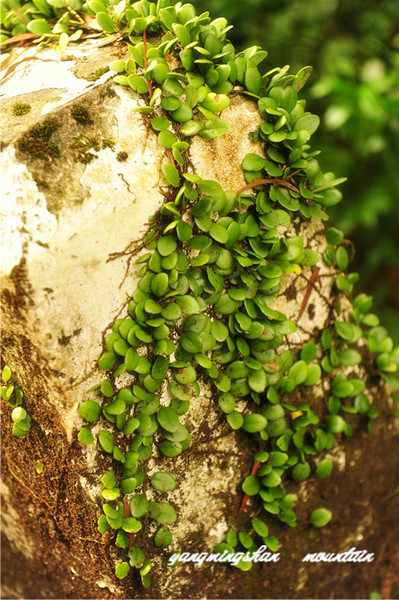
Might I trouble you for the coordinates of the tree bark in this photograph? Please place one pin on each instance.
(70, 219)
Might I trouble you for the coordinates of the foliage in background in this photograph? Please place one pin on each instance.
(353, 48)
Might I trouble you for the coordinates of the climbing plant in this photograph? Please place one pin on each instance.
(211, 266)
(13, 395)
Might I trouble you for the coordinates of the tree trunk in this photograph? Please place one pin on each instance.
(73, 211)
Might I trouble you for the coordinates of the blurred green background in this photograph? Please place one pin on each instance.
(353, 48)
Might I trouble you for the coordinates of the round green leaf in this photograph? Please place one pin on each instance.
(188, 304)
(349, 357)
(105, 22)
(6, 374)
(106, 388)
(118, 65)
(111, 512)
(190, 127)
(219, 233)
(122, 569)
(301, 471)
(102, 524)
(320, 517)
(166, 138)
(308, 122)
(182, 114)
(225, 305)
(313, 376)
(160, 123)
(257, 381)
(272, 413)
(187, 375)
(163, 537)
(171, 174)
(166, 245)
(348, 331)
(214, 129)
(108, 480)
(128, 485)
(18, 414)
(191, 342)
(235, 419)
(107, 361)
(122, 539)
(324, 468)
(131, 525)
(334, 236)
(89, 410)
(163, 482)
(260, 527)
(254, 422)
(138, 506)
(216, 102)
(335, 424)
(116, 408)
(342, 258)
(253, 162)
(271, 480)
(219, 331)
(106, 441)
(85, 436)
(308, 352)
(136, 557)
(251, 485)
(298, 372)
(39, 27)
(168, 419)
(159, 285)
(167, 514)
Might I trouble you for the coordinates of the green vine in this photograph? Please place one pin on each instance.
(212, 267)
(13, 395)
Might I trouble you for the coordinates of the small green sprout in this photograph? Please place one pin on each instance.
(39, 467)
(13, 395)
(6, 374)
(122, 569)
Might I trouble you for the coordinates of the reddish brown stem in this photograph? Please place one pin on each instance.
(306, 297)
(292, 174)
(272, 181)
(128, 514)
(272, 366)
(245, 498)
(145, 61)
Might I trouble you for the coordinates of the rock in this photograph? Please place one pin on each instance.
(82, 176)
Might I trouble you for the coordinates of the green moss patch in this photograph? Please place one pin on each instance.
(81, 115)
(37, 141)
(21, 108)
(83, 149)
